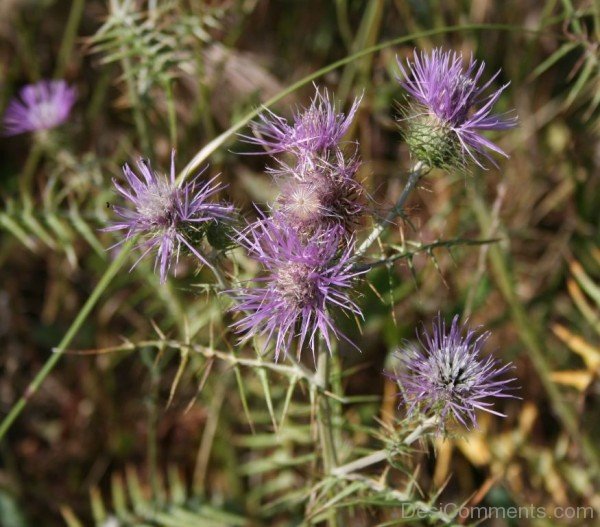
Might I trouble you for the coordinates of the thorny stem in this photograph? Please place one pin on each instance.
(297, 370)
(419, 430)
(414, 176)
(381, 455)
(422, 248)
(324, 420)
(58, 352)
(375, 457)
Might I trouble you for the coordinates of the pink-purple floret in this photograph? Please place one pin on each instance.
(448, 376)
(303, 281)
(445, 88)
(40, 106)
(164, 212)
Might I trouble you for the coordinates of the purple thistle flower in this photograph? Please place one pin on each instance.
(166, 215)
(315, 129)
(39, 106)
(447, 376)
(451, 111)
(321, 193)
(303, 281)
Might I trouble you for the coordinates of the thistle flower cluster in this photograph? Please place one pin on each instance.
(302, 281)
(166, 215)
(317, 176)
(305, 247)
(40, 106)
(446, 375)
(447, 111)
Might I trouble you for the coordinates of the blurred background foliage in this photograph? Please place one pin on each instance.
(155, 413)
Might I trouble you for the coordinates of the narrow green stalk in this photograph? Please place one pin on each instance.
(66, 46)
(358, 464)
(172, 113)
(324, 419)
(368, 33)
(420, 248)
(341, 10)
(413, 178)
(58, 352)
(381, 455)
(26, 177)
(338, 390)
(324, 411)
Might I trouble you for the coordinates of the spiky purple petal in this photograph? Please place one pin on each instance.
(313, 130)
(303, 282)
(446, 375)
(164, 212)
(449, 91)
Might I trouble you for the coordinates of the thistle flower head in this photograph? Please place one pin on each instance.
(313, 130)
(448, 111)
(166, 215)
(303, 281)
(39, 106)
(447, 376)
(322, 193)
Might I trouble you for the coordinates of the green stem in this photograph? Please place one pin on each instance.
(172, 113)
(381, 455)
(422, 248)
(341, 10)
(367, 35)
(413, 178)
(69, 335)
(324, 419)
(26, 177)
(66, 47)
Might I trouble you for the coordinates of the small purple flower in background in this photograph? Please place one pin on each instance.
(39, 106)
(303, 282)
(315, 129)
(447, 376)
(166, 215)
(445, 125)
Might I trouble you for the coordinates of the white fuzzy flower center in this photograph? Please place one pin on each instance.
(454, 370)
(45, 114)
(302, 203)
(158, 206)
